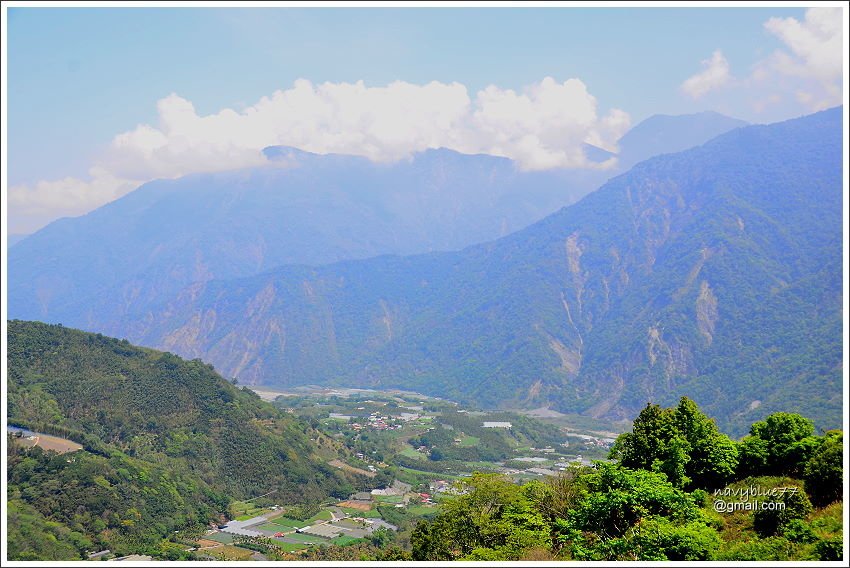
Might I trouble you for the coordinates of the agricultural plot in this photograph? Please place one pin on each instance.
(411, 453)
(323, 515)
(242, 510)
(229, 552)
(393, 499)
(271, 528)
(287, 523)
(353, 508)
(343, 540)
(421, 510)
(290, 546)
(224, 538)
(305, 538)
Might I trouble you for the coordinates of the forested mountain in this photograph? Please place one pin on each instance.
(665, 134)
(168, 443)
(300, 208)
(715, 272)
(140, 400)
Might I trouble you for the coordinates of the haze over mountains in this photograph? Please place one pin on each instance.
(715, 273)
(301, 209)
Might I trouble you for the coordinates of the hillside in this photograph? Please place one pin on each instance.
(300, 208)
(666, 134)
(167, 441)
(714, 272)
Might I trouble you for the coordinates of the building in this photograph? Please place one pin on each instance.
(376, 524)
(497, 425)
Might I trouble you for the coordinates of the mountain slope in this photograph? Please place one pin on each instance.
(111, 395)
(666, 134)
(714, 273)
(300, 208)
(14, 238)
(167, 446)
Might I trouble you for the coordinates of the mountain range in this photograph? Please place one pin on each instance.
(714, 272)
(299, 208)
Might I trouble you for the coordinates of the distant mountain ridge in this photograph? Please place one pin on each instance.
(666, 134)
(13, 238)
(713, 273)
(301, 208)
(555, 314)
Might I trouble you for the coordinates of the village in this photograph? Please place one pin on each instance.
(339, 523)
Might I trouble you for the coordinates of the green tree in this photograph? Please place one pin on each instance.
(824, 472)
(604, 524)
(651, 433)
(713, 457)
(781, 444)
(656, 538)
(682, 442)
(778, 510)
(493, 519)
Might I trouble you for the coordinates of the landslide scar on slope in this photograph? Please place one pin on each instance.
(706, 310)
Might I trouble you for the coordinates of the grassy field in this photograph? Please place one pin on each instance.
(288, 523)
(353, 512)
(343, 540)
(411, 453)
(243, 510)
(323, 515)
(221, 537)
(389, 499)
(290, 547)
(228, 552)
(371, 514)
(468, 441)
(307, 538)
(421, 510)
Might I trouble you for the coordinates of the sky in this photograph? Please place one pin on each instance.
(101, 100)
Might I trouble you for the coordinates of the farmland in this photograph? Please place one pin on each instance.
(408, 450)
(45, 441)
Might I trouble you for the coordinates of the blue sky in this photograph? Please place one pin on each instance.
(79, 77)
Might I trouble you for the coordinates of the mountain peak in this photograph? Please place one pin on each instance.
(280, 153)
(666, 134)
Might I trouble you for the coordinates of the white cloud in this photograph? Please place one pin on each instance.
(804, 75)
(543, 126)
(47, 200)
(816, 44)
(69, 196)
(714, 75)
(811, 66)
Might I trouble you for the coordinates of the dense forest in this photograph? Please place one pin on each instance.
(168, 444)
(675, 489)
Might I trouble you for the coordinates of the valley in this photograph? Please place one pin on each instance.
(489, 284)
